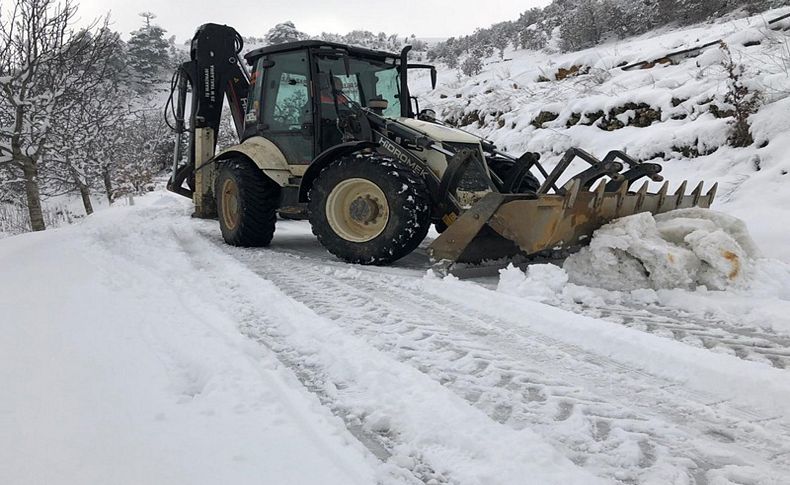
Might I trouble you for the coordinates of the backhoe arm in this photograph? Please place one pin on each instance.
(214, 72)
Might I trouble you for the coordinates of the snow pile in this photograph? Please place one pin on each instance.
(686, 248)
(653, 261)
(541, 282)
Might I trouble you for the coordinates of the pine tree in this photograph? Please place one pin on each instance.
(147, 50)
(284, 32)
(583, 26)
(472, 65)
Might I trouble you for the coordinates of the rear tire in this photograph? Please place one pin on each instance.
(369, 209)
(247, 202)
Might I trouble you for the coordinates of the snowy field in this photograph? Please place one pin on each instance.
(138, 348)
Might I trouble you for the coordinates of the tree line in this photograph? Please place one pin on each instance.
(76, 112)
(287, 32)
(570, 25)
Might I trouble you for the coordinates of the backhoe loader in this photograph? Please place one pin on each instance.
(329, 132)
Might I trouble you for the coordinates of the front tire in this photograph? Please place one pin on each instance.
(247, 202)
(369, 209)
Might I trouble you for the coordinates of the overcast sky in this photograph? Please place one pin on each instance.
(424, 18)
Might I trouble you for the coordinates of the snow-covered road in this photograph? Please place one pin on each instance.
(283, 365)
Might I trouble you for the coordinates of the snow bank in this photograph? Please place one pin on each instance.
(646, 260)
(109, 374)
(686, 248)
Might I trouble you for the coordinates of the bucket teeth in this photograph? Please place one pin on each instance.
(697, 194)
(641, 196)
(712, 194)
(572, 193)
(622, 193)
(662, 195)
(599, 193)
(680, 193)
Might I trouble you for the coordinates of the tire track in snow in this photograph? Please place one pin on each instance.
(382, 444)
(715, 334)
(636, 431)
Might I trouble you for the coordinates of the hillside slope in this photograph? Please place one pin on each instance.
(674, 112)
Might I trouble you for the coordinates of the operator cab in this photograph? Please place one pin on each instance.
(300, 89)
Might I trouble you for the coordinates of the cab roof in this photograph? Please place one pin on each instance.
(301, 44)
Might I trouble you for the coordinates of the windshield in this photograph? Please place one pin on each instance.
(364, 80)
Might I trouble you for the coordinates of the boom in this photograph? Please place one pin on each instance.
(215, 71)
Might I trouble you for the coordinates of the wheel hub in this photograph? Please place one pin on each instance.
(364, 209)
(357, 210)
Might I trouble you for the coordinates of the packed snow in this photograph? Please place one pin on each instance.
(687, 248)
(159, 355)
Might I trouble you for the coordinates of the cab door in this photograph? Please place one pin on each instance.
(282, 106)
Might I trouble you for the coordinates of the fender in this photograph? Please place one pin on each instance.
(264, 154)
(325, 158)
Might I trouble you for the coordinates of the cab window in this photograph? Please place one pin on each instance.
(283, 101)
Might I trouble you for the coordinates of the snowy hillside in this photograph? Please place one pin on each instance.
(674, 112)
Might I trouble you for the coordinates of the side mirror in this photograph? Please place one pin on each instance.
(378, 105)
(431, 68)
(427, 115)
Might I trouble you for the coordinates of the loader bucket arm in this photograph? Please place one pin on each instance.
(564, 220)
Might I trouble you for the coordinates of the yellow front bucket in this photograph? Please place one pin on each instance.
(503, 225)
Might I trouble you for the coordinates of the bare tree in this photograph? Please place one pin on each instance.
(139, 147)
(45, 68)
(76, 161)
(744, 101)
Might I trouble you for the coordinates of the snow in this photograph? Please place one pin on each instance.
(140, 349)
(699, 261)
(156, 357)
(753, 183)
(131, 368)
(110, 374)
(685, 248)
(159, 355)
(697, 367)
(540, 281)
